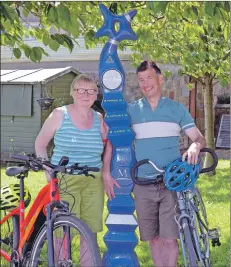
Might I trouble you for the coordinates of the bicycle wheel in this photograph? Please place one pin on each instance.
(201, 227)
(79, 238)
(191, 256)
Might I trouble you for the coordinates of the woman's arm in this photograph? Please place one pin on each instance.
(51, 124)
(109, 181)
(103, 128)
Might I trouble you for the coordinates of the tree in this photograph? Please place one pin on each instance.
(194, 35)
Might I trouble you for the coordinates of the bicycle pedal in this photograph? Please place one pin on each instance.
(6, 241)
(216, 242)
(214, 233)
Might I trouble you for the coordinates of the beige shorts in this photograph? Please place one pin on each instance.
(89, 198)
(155, 207)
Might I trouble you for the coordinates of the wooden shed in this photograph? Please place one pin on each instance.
(21, 115)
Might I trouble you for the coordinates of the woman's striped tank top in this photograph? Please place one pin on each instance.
(80, 146)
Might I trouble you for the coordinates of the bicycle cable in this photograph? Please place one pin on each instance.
(61, 190)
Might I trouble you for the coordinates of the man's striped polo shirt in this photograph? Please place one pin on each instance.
(157, 132)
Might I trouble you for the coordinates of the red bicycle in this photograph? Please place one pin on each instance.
(50, 235)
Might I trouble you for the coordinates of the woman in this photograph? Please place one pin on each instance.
(79, 133)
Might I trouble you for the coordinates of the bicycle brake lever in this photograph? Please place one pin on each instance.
(93, 176)
(85, 172)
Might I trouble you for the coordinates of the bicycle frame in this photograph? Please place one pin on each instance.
(23, 231)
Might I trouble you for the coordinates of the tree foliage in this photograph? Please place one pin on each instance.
(58, 26)
(194, 35)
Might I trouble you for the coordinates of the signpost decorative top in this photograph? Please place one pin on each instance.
(125, 31)
(112, 76)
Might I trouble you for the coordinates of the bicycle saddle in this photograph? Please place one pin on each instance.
(13, 171)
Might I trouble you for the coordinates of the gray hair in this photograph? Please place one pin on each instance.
(84, 78)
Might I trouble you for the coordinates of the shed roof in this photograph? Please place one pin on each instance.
(79, 53)
(34, 76)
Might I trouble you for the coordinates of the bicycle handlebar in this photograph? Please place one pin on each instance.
(38, 164)
(147, 161)
(215, 160)
(20, 157)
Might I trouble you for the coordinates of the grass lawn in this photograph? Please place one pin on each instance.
(215, 192)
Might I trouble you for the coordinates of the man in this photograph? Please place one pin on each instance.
(157, 122)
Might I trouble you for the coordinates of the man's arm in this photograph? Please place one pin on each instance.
(199, 142)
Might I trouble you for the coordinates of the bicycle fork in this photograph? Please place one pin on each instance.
(183, 214)
(50, 227)
(51, 216)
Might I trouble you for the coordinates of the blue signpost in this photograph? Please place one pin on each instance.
(121, 223)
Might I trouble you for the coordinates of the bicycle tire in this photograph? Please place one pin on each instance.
(79, 226)
(190, 250)
(201, 205)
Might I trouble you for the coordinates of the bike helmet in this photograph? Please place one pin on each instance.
(10, 197)
(179, 175)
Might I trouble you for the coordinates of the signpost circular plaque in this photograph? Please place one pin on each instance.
(112, 79)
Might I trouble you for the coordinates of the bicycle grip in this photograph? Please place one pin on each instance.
(20, 157)
(215, 160)
(133, 170)
(93, 169)
(139, 163)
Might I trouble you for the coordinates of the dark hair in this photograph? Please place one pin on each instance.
(146, 64)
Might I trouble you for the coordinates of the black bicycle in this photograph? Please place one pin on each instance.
(192, 220)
